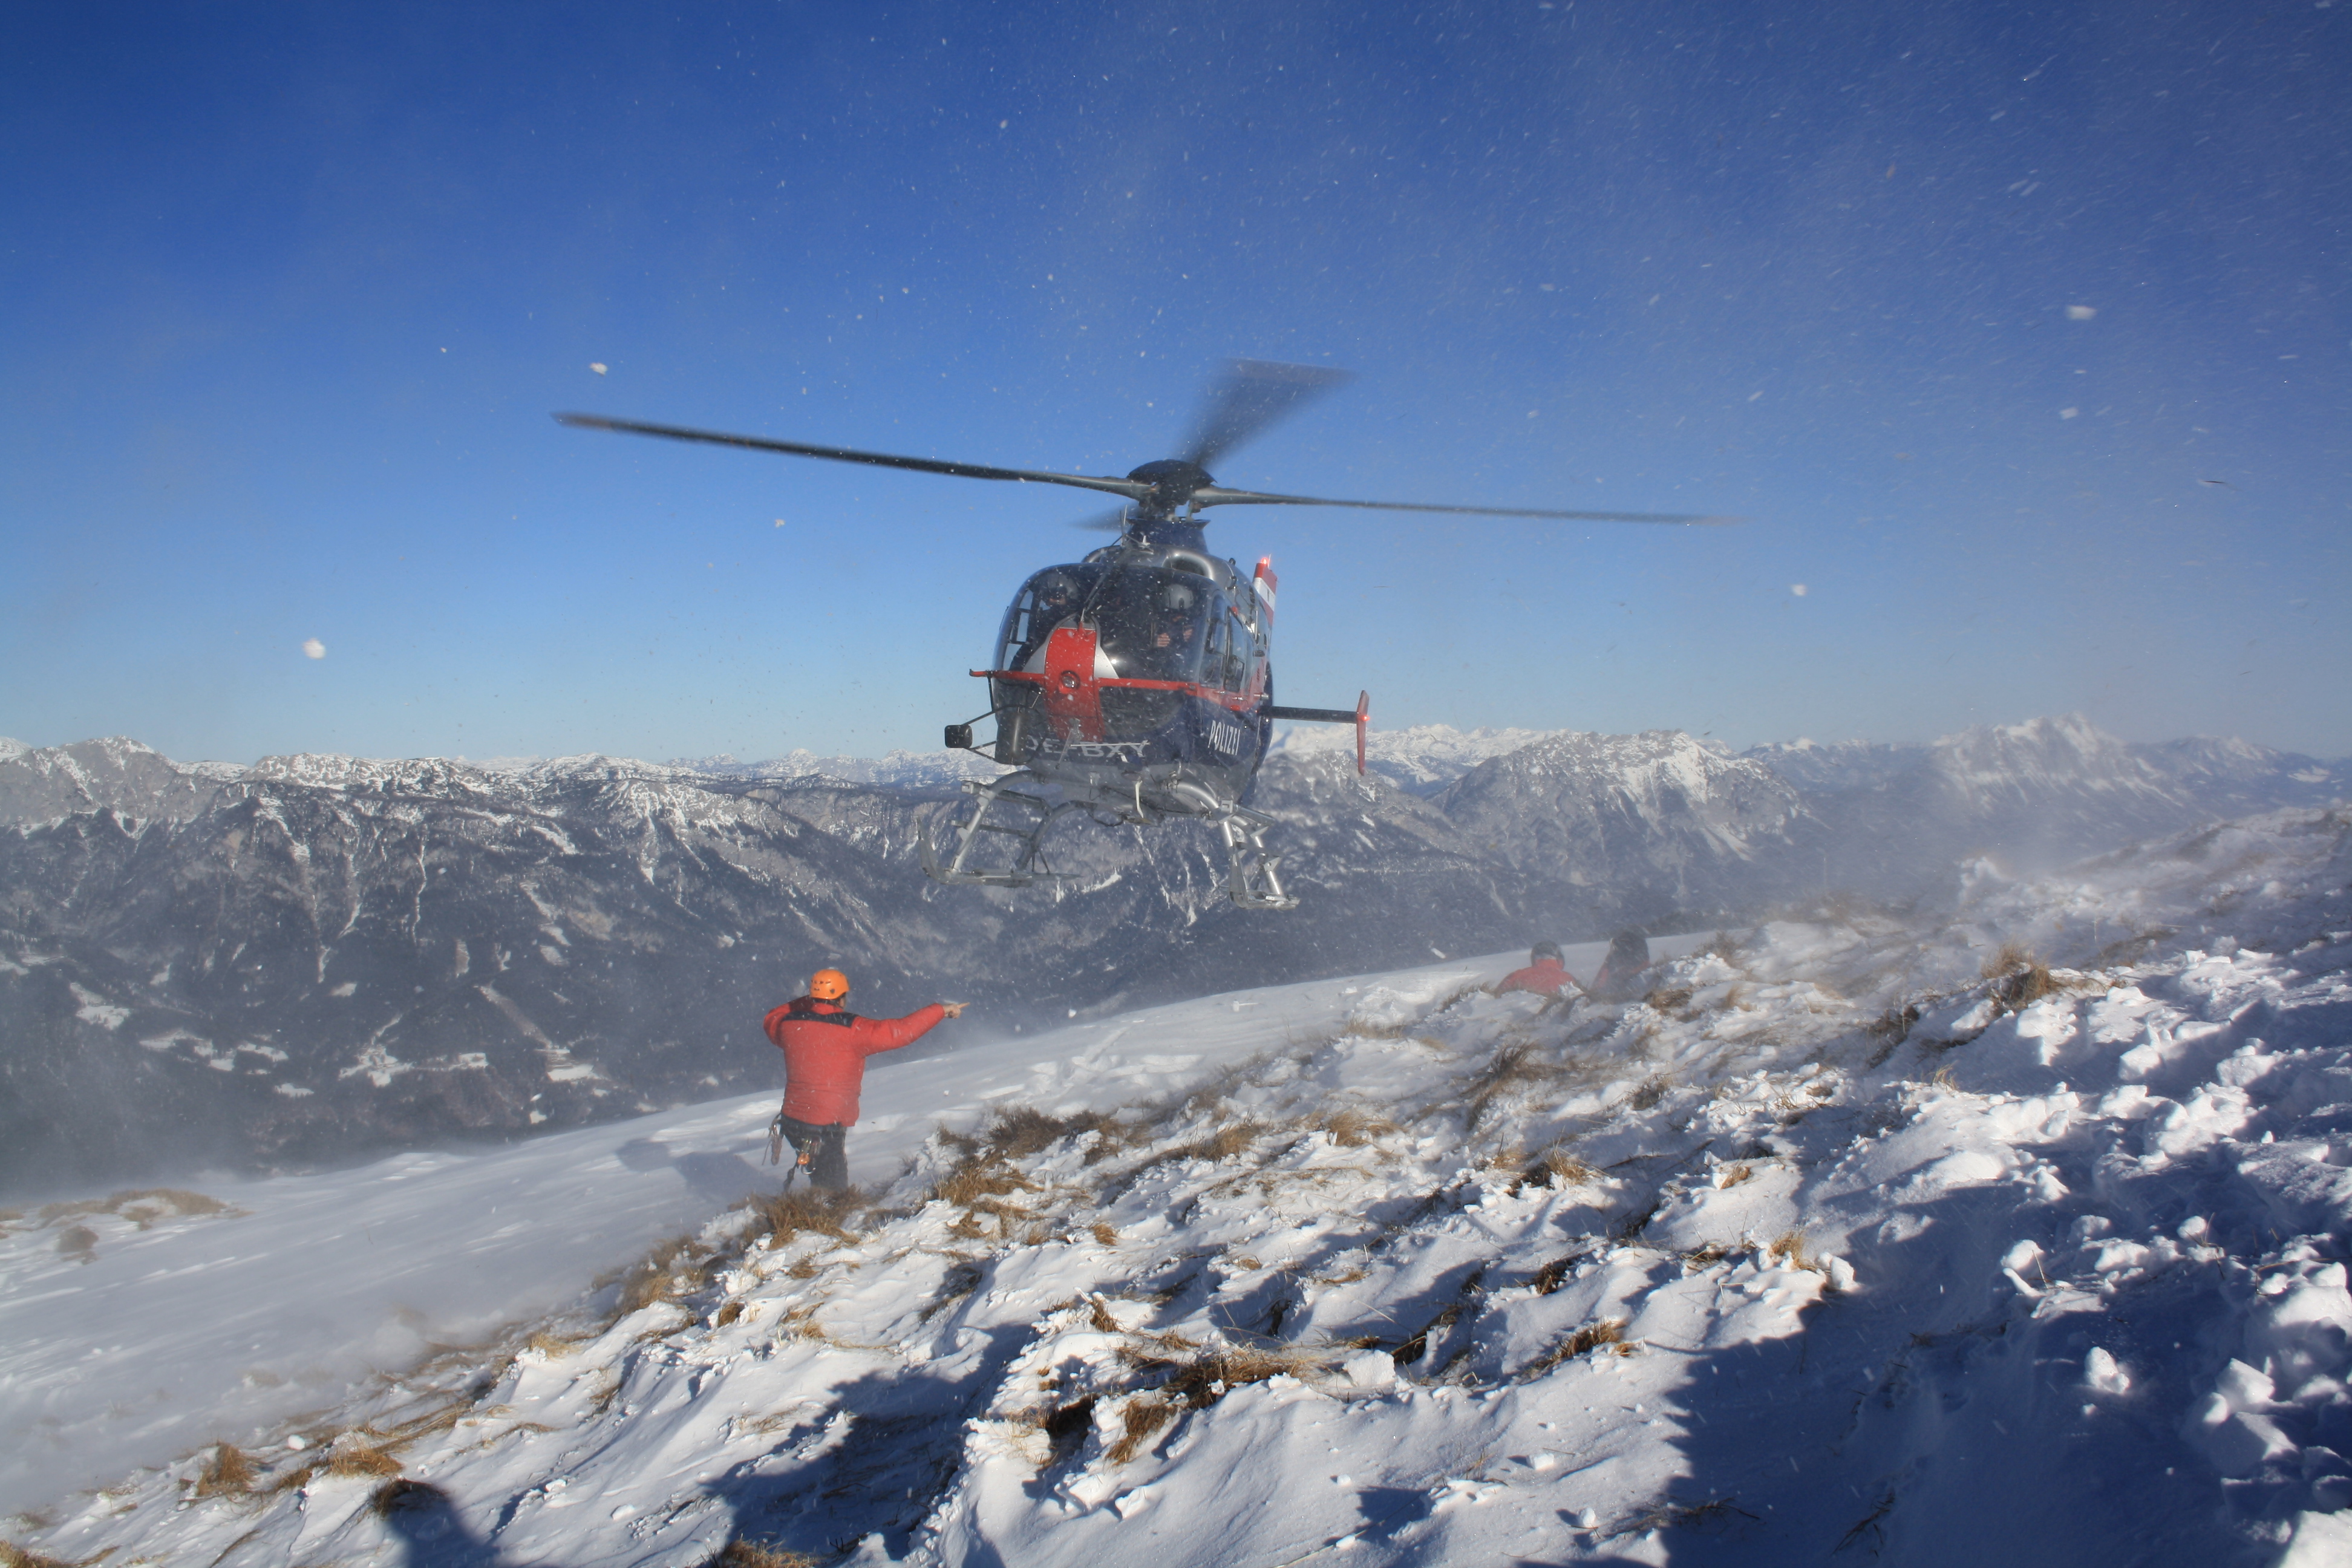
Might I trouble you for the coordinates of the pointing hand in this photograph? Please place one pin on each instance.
(954, 1009)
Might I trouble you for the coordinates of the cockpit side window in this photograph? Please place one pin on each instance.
(1047, 600)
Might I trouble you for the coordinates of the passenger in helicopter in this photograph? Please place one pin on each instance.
(1151, 622)
(1176, 635)
(1056, 601)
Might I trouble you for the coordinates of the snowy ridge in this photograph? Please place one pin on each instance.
(1421, 759)
(1854, 1226)
(1663, 820)
(892, 770)
(49, 783)
(2040, 757)
(1815, 767)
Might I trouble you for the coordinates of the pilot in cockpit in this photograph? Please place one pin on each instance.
(1177, 629)
(1058, 600)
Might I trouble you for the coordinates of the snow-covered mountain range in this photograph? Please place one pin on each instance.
(2008, 1227)
(321, 955)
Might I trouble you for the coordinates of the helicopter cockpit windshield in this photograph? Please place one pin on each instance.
(1151, 622)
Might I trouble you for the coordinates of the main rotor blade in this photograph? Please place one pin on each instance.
(1254, 393)
(1130, 489)
(1217, 495)
(1111, 522)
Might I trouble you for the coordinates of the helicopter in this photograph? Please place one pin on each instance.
(1134, 684)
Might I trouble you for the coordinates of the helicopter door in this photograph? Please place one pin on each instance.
(1221, 665)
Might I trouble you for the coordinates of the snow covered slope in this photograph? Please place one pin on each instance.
(2013, 1230)
(283, 1291)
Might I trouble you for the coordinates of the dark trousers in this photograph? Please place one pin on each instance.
(820, 1149)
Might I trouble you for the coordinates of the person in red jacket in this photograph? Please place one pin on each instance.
(1545, 974)
(825, 1047)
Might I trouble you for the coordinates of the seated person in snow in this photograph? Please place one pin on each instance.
(1545, 974)
(825, 1047)
(1625, 973)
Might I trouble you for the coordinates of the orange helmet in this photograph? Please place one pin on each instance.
(828, 986)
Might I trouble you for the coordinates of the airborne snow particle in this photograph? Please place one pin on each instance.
(2068, 413)
(2081, 313)
(596, 366)
(1798, 589)
(313, 648)
(780, 523)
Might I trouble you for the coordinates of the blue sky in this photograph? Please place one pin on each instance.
(287, 294)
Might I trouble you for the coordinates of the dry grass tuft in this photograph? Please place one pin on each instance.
(1021, 1131)
(1352, 1128)
(1513, 1068)
(406, 1496)
(1104, 1233)
(1583, 1342)
(1202, 1379)
(728, 1313)
(1098, 1317)
(143, 1206)
(1233, 1138)
(741, 1553)
(1713, 1514)
(553, 1346)
(785, 1216)
(1669, 1000)
(1143, 1418)
(1794, 1248)
(14, 1556)
(1556, 1167)
(78, 1242)
(973, 1183)
(1553, 1274)
(1651, 1092)
(229, 1473)
(354, 1456)
(1732, 1176)
(2022, 978)
(672, 1269)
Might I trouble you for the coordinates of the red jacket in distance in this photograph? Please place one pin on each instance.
(826, 1050)
(1548, 978)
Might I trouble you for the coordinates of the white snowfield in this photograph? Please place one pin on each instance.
(1863, 1238)
(166, 1328)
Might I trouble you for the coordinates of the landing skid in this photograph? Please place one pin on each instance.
(1027, 865)
(1254, 882)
